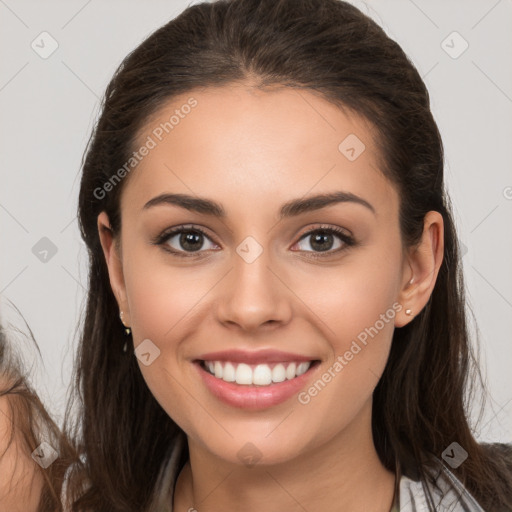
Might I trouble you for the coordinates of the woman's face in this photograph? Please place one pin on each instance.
(263, 287)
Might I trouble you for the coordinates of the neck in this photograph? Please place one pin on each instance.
(346, 470)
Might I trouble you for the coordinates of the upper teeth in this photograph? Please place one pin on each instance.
(260, 374)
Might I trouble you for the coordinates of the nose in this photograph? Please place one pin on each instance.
(254, 295)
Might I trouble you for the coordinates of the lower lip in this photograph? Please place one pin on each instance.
(254, 397)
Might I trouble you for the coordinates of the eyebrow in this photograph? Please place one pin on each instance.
(289, 209)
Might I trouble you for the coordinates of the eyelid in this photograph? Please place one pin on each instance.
(343, 234)
(168, 233)
(346, 237)
(325, 227)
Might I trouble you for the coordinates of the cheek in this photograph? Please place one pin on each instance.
(161, 299)
(357, 303)
(160, 295)
(358, 324)
(355, 299)
(358, 321)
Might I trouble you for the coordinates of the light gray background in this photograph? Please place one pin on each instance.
(48, 108)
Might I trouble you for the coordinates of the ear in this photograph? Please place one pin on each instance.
(424, 261)
(111, 251)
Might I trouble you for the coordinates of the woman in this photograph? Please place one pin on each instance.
(276, 314)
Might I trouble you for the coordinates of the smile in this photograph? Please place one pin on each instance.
(259, 375)
(255, 385)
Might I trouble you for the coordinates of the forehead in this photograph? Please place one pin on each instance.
(248, 146)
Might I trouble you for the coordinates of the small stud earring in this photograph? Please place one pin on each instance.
(408, 312)
(127, 330)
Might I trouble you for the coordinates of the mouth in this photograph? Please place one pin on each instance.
(263, 374)
(255, 385)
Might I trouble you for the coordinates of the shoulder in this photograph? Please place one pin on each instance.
(22, 481)
(444, 493)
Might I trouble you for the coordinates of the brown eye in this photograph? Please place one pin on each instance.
(189, 240)
(184, 241)
(324, 238)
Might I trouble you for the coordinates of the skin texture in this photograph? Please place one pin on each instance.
(252, 151)
(21, 482)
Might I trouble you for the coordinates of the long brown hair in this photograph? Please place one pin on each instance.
(420, 405)
(30, 423)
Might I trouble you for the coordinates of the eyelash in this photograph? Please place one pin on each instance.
(163, 238)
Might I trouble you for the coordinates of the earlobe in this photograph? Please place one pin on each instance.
(113, 261)
(424, 261)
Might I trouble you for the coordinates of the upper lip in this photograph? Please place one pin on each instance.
(260, 356)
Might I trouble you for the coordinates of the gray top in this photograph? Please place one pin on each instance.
(449, 494)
